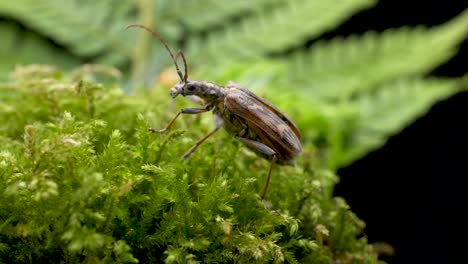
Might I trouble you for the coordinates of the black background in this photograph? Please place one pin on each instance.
(412, 192)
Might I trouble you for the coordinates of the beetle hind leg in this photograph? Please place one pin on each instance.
(267, 151)
(267, 182)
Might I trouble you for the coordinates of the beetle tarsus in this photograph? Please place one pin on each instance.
(188, 154)
(268, 207)
(161, 131)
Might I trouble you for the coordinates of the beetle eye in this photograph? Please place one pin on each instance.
(191, 88)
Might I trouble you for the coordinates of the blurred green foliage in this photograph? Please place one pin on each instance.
(82, 180)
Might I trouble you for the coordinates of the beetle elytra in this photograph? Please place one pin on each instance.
(256, 123)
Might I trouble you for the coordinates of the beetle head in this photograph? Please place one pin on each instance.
(181, 88)
(205, 90)
(186, 87)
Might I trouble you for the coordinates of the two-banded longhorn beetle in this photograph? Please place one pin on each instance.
(259, 125)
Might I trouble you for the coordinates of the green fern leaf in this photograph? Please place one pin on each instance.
(203, 14)
(88, 28)
(342, 68)
(18, 47)
(389, 110)
(272, 30)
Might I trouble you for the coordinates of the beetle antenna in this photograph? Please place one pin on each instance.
(181, 54)
(174, 59)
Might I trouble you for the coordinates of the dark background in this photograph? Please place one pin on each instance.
(412, 192)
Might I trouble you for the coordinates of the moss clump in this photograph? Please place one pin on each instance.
(81, 180)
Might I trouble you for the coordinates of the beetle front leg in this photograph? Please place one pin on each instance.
(192, 111)
(267, 151)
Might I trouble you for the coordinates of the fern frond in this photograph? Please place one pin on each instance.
(389, 110)
(19, 47)
(274, 30)
(342, 68)
(88, 28)
(202, 14)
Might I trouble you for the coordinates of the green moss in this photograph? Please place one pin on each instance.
(81, 180)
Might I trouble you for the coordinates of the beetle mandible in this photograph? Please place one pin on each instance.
(256, 123)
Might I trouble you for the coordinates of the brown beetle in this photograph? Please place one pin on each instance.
(255, 122)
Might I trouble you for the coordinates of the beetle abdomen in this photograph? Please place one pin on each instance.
(267, 126)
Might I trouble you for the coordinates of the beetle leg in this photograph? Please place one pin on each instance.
(195, 99)
(267, 182)
(244, 130)
(199, 142)
(267, 151)
(191, 111)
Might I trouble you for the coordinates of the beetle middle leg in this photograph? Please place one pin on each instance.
(198, 143)
(218, 123)
(258, 146)
(192, 111)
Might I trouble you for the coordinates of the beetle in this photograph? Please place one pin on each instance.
(258, 124)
